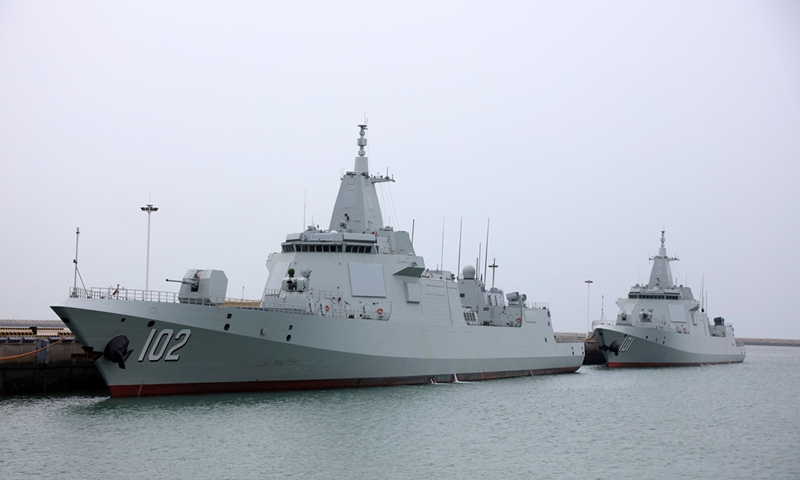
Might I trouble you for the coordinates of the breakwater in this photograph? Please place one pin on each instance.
(770, 342)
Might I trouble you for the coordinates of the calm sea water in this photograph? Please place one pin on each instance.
(727, 421)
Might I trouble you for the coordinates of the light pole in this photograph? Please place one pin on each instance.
(149, 209)
(588, 296)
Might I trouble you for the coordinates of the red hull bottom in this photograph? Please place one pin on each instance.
(257, 386)
(637, 365)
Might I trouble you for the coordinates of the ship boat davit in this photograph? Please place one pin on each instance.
(662, 325)
(348, 306)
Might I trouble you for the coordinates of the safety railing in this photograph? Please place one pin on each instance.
(320, 303)
(112, 293)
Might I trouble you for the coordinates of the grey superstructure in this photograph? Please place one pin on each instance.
(351, 305)
(661, 324)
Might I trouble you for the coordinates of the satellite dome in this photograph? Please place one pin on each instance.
(468, 272)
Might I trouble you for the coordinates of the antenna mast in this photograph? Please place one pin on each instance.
(460, 227)
(603, 309)
(703, 294)
(478, 262)
(588, 298)
(441, 260)
(75, 261)
(486, 260)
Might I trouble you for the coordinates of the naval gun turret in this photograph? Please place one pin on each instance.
(204, 287)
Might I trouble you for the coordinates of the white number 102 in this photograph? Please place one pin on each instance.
(157, 352)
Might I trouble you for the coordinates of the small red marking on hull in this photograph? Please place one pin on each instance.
(284, 385)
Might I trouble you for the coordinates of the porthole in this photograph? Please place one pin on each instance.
(288, 337)
(290, 327)
(151, 323)
(229, 316)
(545, 339)
(123, 319)
(227, 326)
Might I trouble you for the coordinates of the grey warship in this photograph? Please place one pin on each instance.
(352, 305)
(661, 324)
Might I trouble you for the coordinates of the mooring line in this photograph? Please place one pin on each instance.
(12, 357)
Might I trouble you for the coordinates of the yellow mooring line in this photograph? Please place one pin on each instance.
(12, 357)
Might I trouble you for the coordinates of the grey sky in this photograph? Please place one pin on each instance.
(581, 128)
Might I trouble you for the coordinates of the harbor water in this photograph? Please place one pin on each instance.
(736, 421)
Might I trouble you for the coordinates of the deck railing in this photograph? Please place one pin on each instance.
(326, 303)
(321, 303)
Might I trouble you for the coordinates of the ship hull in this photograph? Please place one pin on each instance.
(649, 347)
(178, 348)
(266, 386)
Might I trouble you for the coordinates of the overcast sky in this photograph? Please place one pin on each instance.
(580, 128)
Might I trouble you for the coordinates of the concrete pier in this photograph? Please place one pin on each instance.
(44, 357)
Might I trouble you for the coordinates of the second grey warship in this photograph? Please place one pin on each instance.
(661, 324)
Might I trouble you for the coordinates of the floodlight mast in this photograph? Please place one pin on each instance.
(149, 209)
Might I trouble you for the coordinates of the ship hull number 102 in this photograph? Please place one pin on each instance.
(158, 342)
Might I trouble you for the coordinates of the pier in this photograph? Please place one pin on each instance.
(42, 356)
